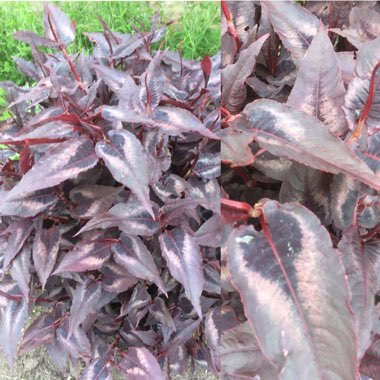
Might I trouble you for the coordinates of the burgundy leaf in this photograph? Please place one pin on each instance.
(57, 25)
(85, 298)
(139, 364)
(241, 356)
(295, 25)
(34, 39)
(310, 188)
(85, 256)
(284, 132)
(13, 318)
(28, 204)
(207, 166)
(116, 278)
(20, 270)
(127, 161)
(278, 273)
(126, 49)
(359, 260)
(66, 161)
(97, 370)
(234, 76)
(91, 200)
(19, 232)
(319, 89)
(45, 252)
(206, 65)
(159, 311)
(133, 255)
(209, 233)
(184, 261)
(212, 331)
(131, 218)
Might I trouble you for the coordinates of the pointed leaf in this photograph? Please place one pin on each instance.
(45, 252)
(310, 188)
(234, 76)
(85, 256)
(85, 298)
(97, 370)
(20, 270)
(127, 161)
(131, 218)
(319, 88)
(292, 134)
(58, 24)
(207, 166)
(139, 364)
(116, 278)
(294, 24)
(13, 318)
(360, 260)
(159, 311)
(132, 253)
(281, 273)
(63, 162)
(184, 261)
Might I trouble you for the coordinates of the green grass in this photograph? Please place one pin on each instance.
(196, 29)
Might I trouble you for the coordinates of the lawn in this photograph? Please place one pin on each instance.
(196, 28)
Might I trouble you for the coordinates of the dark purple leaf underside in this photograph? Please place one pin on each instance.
(281, 273)
(45, 252)
(63, 162)
(184, 261)
(292, 134)
(132, 253)
(139, 364)
(127, 161)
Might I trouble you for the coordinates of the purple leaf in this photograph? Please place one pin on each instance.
(360, 259)
(13, 318)
(20, 270)
(139, 364)
(58, 25)
(19, 232)
(45, 252)
(131, 218)
(292, 134)
(116, 278)
(207, 166)
(184, 261)
(63, 162)
(319, 89)
(28, 204)
(241, 356)
(278, 273)
(127, 161)
(209, 233)
(370, 364)
(91, 200)
(212, 331)
(234, 76)
(133, 255)
(98, 369)
(159, 311)
(34, 39)
(310, 188)
(295, 25)
(367, 58)
(85, 256)
(85, 298)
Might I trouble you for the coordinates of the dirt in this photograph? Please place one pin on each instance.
(38, 366)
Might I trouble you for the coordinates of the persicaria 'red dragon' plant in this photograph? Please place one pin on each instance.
(110, 215)
(300, 177)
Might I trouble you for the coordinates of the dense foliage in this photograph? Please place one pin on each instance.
(300, 176)
(110, 216)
